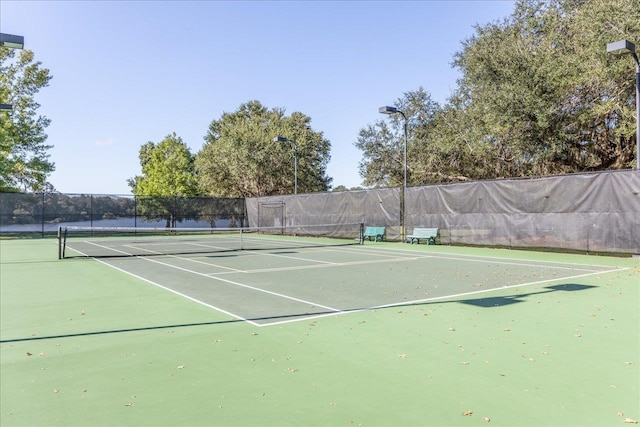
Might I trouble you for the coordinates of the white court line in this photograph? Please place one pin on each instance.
(469, 258)
(444, 297)
(515, 261)
(335, 311)
(520, 264)
(318, 263)
(520, 285)
(334, 264)
(242, 285)
(502, 260)
(299, 258)
(173, 291)
(233, 270)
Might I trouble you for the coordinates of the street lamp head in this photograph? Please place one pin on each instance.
(387, 110)
(280, 139)
(621, 46)
(11, 41)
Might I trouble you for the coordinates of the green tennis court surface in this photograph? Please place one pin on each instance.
(270, 286)
(372, 335)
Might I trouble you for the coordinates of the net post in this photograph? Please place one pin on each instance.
(361, 237)
(59, 242)
(64, 241)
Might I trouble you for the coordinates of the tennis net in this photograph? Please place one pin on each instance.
(105, 242)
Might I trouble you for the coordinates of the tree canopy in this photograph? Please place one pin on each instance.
(241, 159)
(167, 169)
(538, 95)
(168, 176)
(24, 157)
(543, 89)
(382, 144)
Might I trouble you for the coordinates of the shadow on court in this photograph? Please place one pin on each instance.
(488, 302)
(515, 299)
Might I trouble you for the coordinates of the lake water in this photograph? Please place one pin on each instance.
(52, 228)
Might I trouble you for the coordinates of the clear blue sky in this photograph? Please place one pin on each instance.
(128, 72)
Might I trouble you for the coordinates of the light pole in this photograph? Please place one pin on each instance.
(624, 46)
(13, 42)
(393, 110)
(295, 160)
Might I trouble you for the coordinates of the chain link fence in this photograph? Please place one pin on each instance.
(592, 212)
(43, 213)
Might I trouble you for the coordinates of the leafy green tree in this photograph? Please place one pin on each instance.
(241, 159)
(542, 94)
(344, 188)
(24, 157)
(168, 174)
(382, 144)
(167, 169)
(538, 95)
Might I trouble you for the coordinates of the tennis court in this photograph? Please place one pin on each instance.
(267, 279)
(293, 332)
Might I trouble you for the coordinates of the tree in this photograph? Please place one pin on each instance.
(538, 95)
(167, 169)
(382, 144)
(541, 92)
(168, 174)
(344, 188)
(24, 158)
(241, 159)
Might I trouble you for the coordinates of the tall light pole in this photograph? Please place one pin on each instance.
(624, 46)
(393, 110)
(13, 42)
(295, 160)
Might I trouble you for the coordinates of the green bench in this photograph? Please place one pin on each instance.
(375, 233)
(427, 234)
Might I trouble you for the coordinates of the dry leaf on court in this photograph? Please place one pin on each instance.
(630, 421)
(467, 413)
(487, 419)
